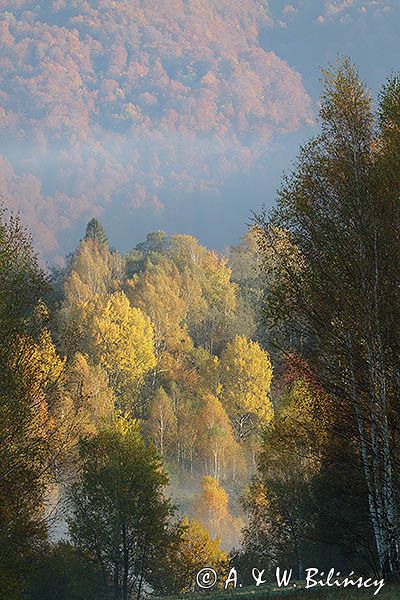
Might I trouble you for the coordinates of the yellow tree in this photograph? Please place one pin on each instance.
(93, 273)
(216, 442)
(123, 341)
(211, 506)
(162, 422)
(245, 374)
(94, 270)
(208, 287)
(195, 550)
(87, 394)
(158, 293)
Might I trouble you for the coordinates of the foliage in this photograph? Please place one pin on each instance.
(123, 342)
(30, 371)
(119, 513)
(95, 231)
(65, 573)
(196, 548)
(82, 85)
(338, 291)
(246, 374)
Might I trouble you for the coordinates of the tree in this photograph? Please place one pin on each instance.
(211, 508)
(95, 231)
(30, 370)
(177, 571)
(340, 211)
(248, 275)
(123, 343)
(245, 374)
(65, 573)
(162, 423)
(158, 293)
(86, 389)
(280, 497)
(119, 513)
(208, 289)
(93, 271)
(156, 242)
(217, 445)
(92, 274)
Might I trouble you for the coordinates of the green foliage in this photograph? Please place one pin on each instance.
(30, 369)
(119, 513)
(66, 573)
(95, 231)
(337, 292)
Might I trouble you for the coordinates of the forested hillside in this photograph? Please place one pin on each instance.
(132, 105)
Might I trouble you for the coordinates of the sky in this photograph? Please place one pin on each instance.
(179, 116)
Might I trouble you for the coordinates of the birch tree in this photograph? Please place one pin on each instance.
(339, 207)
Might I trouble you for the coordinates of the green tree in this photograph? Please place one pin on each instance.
(119, 513)
(66, 573)
(95, 231)
(30, 370)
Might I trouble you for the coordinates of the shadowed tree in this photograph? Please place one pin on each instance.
(340, 209)
(119, 513)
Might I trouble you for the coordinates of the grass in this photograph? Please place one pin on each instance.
(388, 592)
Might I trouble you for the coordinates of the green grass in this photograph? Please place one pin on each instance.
(388, 592)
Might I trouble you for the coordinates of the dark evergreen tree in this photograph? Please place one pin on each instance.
(96, 231)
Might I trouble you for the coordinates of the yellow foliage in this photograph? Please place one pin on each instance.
(87, 390)
(246, 375)
(158, 293)
(198, 549)
(124, 342)
(216, 441)
(94, 271)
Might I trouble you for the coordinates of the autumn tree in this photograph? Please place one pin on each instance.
(30, 370)
(208, 289)
(216, 440)
(158, 293)
(93, 271)
(123, 343)
(245, 374)
(162, 423)
(339, 208)
(86, 392)
(279, 499)
(178, 569)
(211, 508)
(250, 278)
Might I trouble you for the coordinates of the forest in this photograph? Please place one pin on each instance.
(133, 104)
(173, 408)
